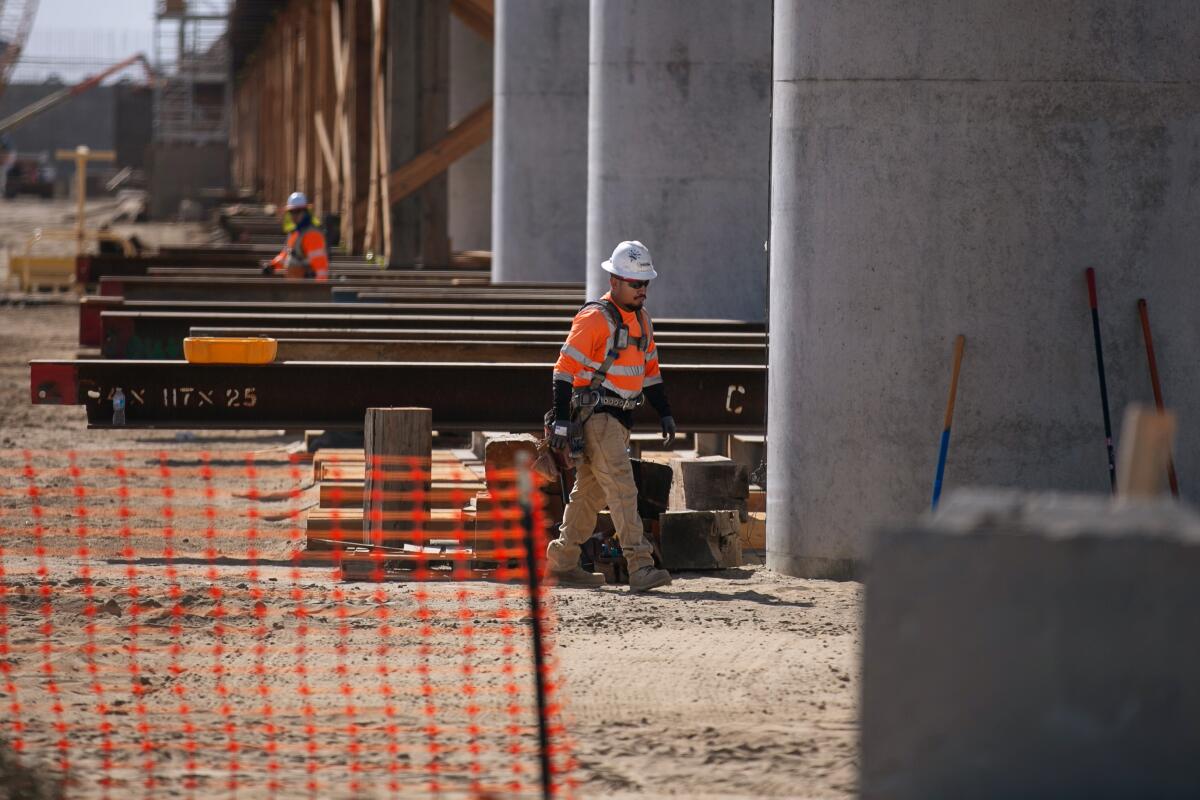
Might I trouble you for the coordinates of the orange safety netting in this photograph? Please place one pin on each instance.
(208, 624)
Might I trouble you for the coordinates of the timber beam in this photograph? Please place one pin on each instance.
(478, 15)
(175, 394)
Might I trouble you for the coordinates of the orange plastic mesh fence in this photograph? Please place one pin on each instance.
(193, 624)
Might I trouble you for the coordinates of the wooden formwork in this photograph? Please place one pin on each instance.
(313, 111)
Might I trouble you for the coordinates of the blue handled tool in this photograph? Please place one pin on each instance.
(959, 343)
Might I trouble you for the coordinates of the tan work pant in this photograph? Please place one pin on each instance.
(604, 475)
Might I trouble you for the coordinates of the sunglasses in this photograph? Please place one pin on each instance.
(636, 284)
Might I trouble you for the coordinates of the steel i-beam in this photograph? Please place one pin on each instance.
(304, 394)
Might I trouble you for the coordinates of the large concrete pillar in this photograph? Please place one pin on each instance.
(539, 194)
(947, 168)
(470, 216)
(678, 158)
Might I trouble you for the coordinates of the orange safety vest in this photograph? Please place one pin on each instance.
(307, 249)
(594, 336)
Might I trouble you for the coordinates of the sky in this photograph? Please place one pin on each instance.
(76, 38)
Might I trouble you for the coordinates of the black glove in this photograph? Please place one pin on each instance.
(560, 435)
(668, 429)
(268, 269)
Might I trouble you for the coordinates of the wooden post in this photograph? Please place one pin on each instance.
(358, 27)
(381, 138)
(434, 104)
(81, 155)
(392, 437)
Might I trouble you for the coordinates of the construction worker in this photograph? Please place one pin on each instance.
(305, 255)
(607, 366)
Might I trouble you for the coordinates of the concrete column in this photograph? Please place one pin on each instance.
(678, 149)
(470, 222)
(539, 195)
(946, 168)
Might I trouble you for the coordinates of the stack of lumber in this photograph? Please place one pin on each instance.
(462, 524)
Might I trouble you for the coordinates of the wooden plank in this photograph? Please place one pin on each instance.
(442, 493)
(1147, 437)
(478, 15)
(381, 138)
(470, 132)
(326, 149)
(400, 525)
(433, 119)
(372, 236)
(359, 99)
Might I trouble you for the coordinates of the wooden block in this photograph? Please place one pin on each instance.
(710, 483)
(487, 507)
(700, 540)
(1147, 437)
(712, 444)
(479, 440)
(335, 457)
(757, 501)
(349, 494)
(654, 487)
(500, 452)
(392, 437)
(748, 450)
(440, 521)
(753, 533)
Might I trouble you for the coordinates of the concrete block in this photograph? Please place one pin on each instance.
(700, 540)
(709, 483)
(500, 450)
(1033, 645)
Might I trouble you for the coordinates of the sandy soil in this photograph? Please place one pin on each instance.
(737, 684)
(21, 216)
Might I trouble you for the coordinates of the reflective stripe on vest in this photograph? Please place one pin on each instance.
(624, 376)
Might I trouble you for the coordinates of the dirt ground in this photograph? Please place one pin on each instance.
(737, 684)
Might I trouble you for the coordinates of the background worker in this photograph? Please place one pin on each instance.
(304, 256)
(608, 364)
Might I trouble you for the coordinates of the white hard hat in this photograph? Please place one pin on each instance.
(631, 260)
(296, 200)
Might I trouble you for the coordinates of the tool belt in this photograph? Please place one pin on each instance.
(588, 398)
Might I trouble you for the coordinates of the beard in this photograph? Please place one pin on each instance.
(636, 303)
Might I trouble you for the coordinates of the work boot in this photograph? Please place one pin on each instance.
(578, 576)
(648, 577)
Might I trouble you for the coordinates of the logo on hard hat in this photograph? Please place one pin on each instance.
(631, 260)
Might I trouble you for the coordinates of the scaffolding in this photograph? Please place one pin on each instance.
(16, 18)
(194, 98)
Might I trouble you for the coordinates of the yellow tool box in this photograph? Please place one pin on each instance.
(217, 350)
